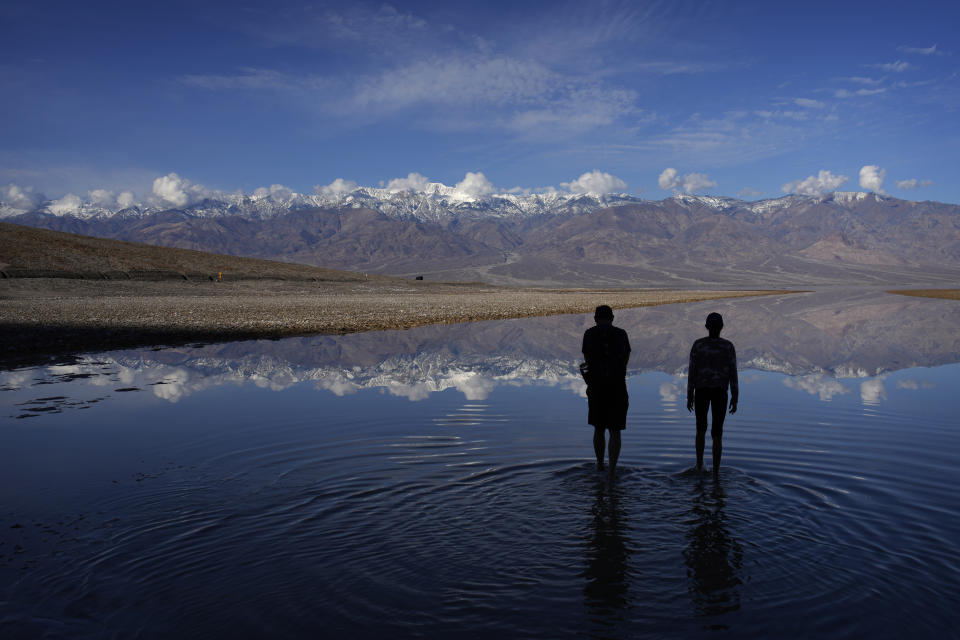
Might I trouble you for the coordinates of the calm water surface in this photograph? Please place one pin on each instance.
(439, 481)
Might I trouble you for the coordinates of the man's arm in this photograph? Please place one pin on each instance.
(691, 373)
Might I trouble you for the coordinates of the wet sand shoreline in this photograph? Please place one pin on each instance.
(42, 317)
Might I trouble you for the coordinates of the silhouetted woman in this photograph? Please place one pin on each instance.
(713, 368)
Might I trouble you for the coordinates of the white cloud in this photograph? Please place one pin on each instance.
(15, 380)
(688, 183)
(276, 192)
(338, 384)
(125, 199)
(823, 182)
(790, 114)
(169, 188)
(871, 177)
(596, 182)
(412, 391)
(872, 391)
(672, 68)
(280, 192)
(913, 385)
(254, 79)
(897, 67)
(67, 204)
(20, 198)
(413, 182)
(739, 136)
(913, 183)
(669, 392)
(749, 192)
(173, 190)
(572, 110)
(924, 51)
(861, 80)
(488, 89)
(696, 182)
(474, 185)
(808, 103)
(359, 22)
(846, 93)
(381, 31)
(520, 95)
(176, 385)
(101, 197)
(472, 385)
(818, 385)
(911, 85)
(458, 81)
(668, 179)
(106, 198)
(336, 188)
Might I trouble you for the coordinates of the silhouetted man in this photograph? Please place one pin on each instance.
(606, 350)
(713, 368)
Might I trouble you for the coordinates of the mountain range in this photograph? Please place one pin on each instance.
(553, 238)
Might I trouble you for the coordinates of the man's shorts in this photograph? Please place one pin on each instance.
(607, 405)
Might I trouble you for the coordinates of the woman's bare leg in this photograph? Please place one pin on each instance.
(599, 444)
(614, 449)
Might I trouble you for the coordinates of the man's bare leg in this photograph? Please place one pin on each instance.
(717, 452)
(599, 444)
(701, 444)
(614, 449)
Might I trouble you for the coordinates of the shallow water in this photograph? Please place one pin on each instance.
(440, 481)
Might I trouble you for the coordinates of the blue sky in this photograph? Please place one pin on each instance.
(738, 98)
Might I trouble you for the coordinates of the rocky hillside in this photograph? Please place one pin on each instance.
(27, 252)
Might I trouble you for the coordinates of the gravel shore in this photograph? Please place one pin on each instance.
(55, 316)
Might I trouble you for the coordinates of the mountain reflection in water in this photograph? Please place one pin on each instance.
(818, 338)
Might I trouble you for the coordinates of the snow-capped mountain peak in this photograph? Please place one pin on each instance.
(432, 201)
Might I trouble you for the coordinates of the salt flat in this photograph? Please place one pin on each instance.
(52, 315)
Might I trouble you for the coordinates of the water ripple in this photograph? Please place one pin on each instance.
(484, 516)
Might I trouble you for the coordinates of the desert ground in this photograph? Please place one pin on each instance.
(62, 293)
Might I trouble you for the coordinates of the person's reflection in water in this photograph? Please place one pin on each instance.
(713, 557)
(607, 589)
